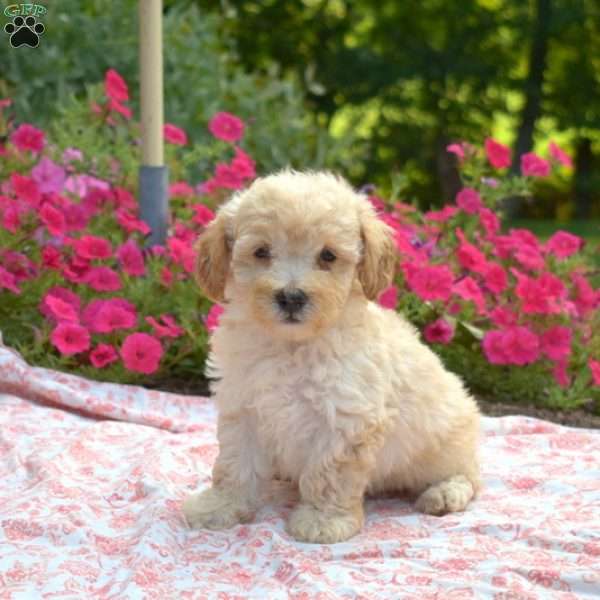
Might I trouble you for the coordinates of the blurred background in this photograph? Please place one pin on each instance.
(375, 89)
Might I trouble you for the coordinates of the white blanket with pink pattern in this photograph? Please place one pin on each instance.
(92, 477)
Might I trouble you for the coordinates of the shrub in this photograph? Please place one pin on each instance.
(517, 317)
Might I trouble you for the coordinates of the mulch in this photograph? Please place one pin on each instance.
(573, 418)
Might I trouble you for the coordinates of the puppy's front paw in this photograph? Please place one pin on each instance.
(215, 509)
(308, 524)
(451, 495)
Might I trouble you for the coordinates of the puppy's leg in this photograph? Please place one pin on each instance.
(238, 477)
(451, 495)
(332, 489)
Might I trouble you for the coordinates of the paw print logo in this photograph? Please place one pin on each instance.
(24, 32)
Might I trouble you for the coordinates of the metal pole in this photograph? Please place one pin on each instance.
(153, 175)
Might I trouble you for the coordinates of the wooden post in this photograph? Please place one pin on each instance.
(153, 178)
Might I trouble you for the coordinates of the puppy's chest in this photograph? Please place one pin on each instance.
(296, 410)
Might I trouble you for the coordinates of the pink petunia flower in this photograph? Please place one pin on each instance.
(167, 328)
(497, 154)
(559, 155)
(432, 282)
(181, 189)
(51, 258)
(60, 309)
(175, 135)
(389, 297)
(166, 276)
(63, 294)
(141, 353)
(28, 137)
(441, 216)
(93, 247)
(534, 166)
(115, 87)
(556, 342)
(502, 316)
(8, 281)
(130, 223)
(103, 355)
(516, 345)
(530, 258)
(469, 200)
(564, 244)
(70, 338)
(91, 313)
(227, 127)
(493, 347)
(439, 332)
(469, 256)
(103, 279)
(131, 259)
(227, 177)
(594, 366)
(112, 317)
(495, 277)
(26, 189)
(181, 253)
(212, 318)
(586, 299)
(243, 165)
(53, 219)
(49, 176)
(202, 214)
(457, 150)
(468, 289)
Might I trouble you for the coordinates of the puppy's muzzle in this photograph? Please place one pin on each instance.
(291, 301)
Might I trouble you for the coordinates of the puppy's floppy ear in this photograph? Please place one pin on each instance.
(213, 254)
(377, 265)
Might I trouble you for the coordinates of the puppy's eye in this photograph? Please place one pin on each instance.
(327, 256)
(262, 252)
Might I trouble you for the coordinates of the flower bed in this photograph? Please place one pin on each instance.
(517, 317)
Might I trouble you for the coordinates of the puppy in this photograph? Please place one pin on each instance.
(316, 383)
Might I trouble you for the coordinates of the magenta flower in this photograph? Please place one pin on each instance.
(586, 298)
(115, 87)
(441, 216)
(560, 374)
(439, 332)
(61, 310)
(93, 247)
(70, 338)
(432, 282)
(227, 127)
(175, 135)
(559, 155)
(168, 327)
(131, 259)
(212, 318)
(516, 345)
(141, 353)
(495, 277)
(243, 165)
(203, 215)
(112, 317)
(53, 219)
(497, 154)
(468, 289)
(534, 166)
(503, 316)
(8, 281)
(181, 189)
(102, 355)
(91, 316)
(102, 279)
(594, 366)
(66, 296)
(556, 342)
(457, 150)
(469, 200)
(49, 176)
(469, 256)
(389, 297)
(26, 189)
(564, 244)
(227, 177)
(28, 137)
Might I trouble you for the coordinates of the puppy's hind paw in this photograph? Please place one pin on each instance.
(215, 509)
(451, 495)
(309, 524)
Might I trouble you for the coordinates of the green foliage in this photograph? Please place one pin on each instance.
(201, 76)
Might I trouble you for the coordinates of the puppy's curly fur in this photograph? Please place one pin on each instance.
(317, 384)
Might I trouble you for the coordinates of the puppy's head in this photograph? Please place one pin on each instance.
(290, 250)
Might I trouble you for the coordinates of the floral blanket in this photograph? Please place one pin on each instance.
(92, 477)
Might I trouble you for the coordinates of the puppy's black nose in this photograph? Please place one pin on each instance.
(291, 300)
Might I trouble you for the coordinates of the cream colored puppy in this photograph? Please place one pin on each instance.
(317, 384)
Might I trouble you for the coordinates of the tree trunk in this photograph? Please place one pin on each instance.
(582, 180)
(532, 89)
